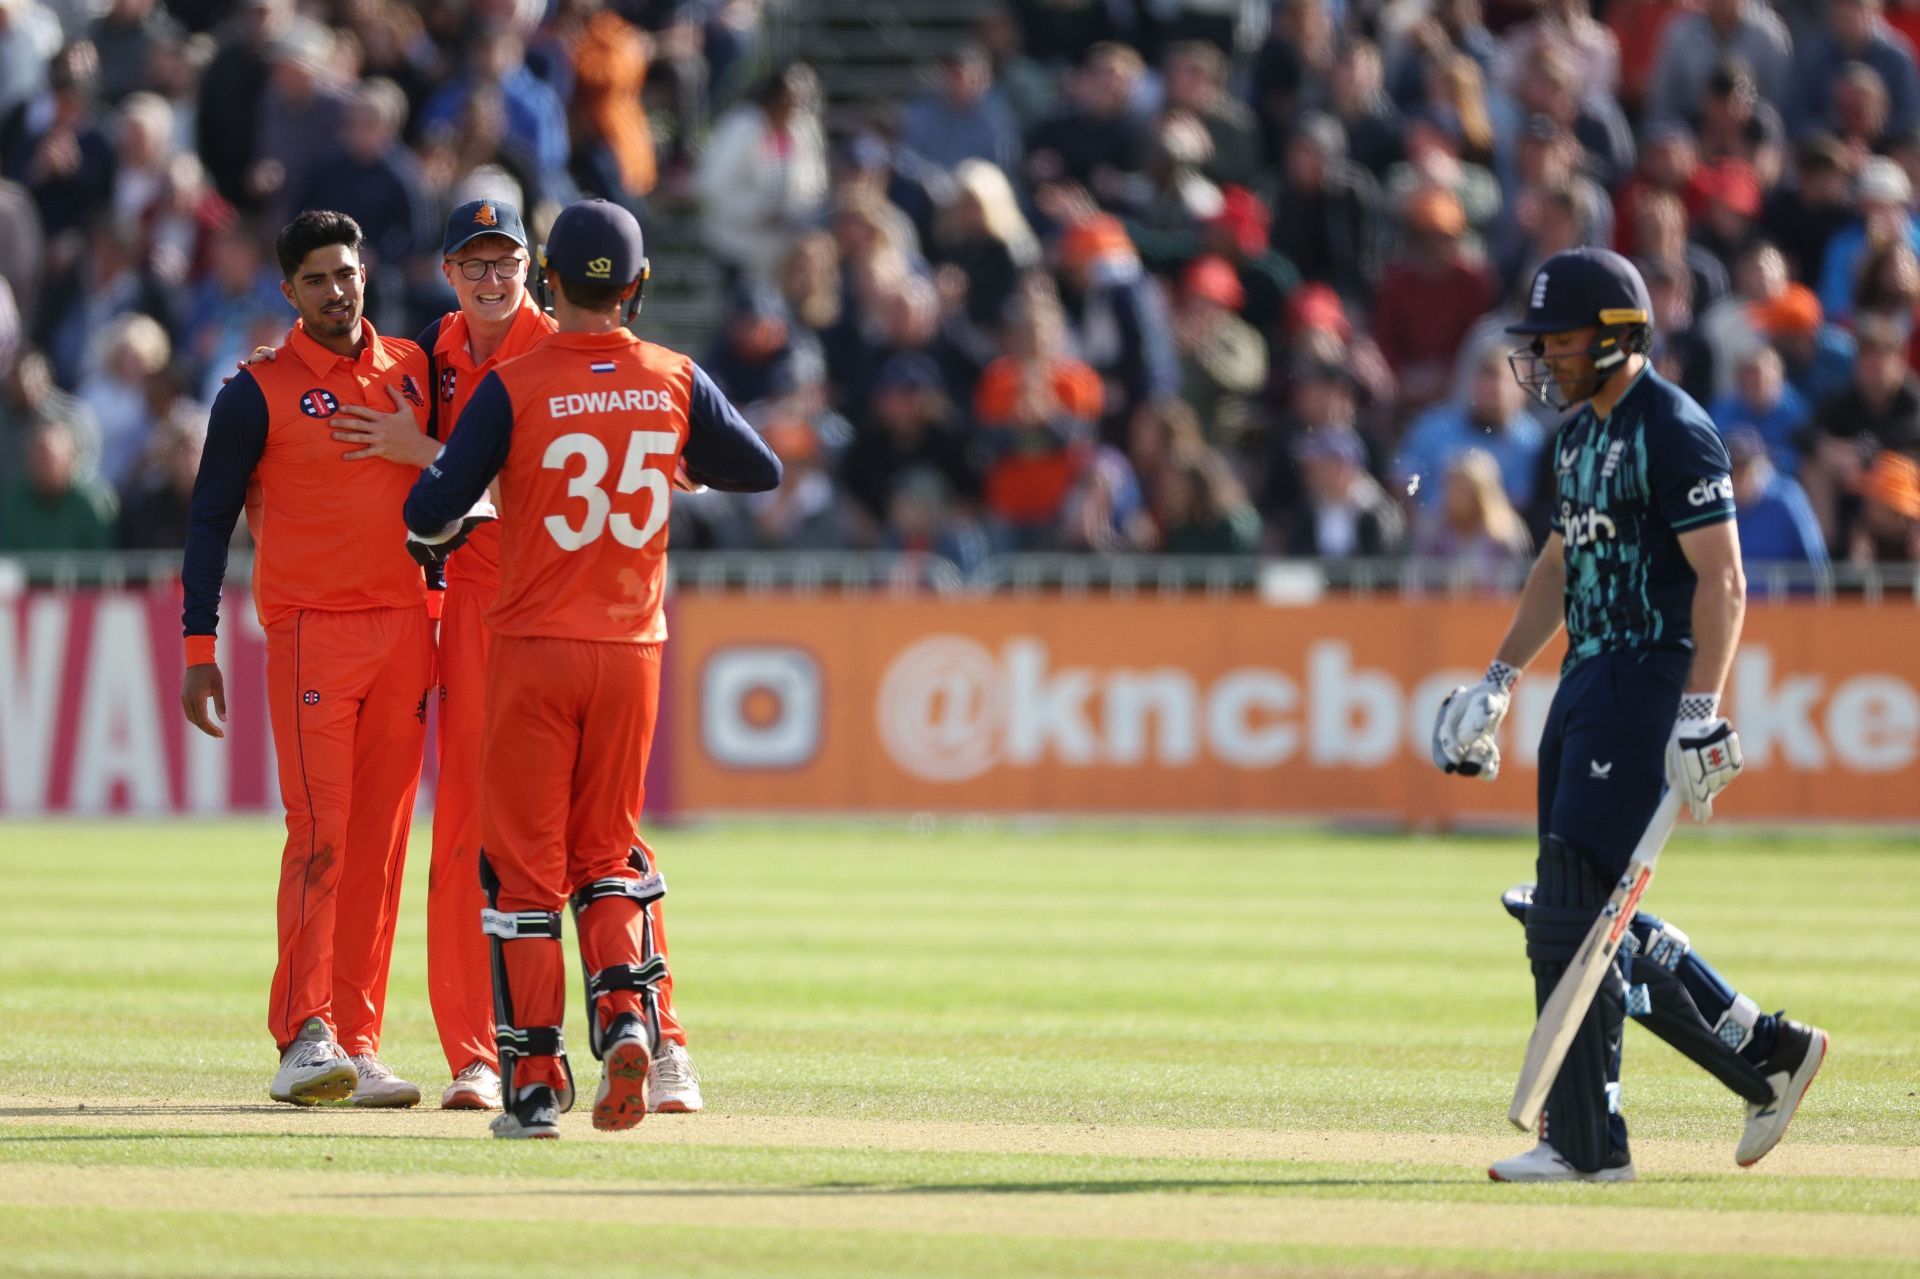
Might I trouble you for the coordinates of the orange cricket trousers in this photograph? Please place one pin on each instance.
(459, 980)
(347, 696)
(569, 729)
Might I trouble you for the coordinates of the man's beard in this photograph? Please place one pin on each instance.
(337, 326)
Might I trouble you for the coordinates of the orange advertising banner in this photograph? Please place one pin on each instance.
(1234, 707)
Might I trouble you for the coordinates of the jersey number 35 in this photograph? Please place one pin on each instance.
(635, 476)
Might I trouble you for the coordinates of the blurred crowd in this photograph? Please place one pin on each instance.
(1179, 276)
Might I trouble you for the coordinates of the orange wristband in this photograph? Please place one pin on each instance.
(199, 650)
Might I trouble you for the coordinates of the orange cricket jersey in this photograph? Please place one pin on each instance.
(328, 532)
(479, 559)
(599, 420)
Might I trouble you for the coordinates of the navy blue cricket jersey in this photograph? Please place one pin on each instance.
(1627, 486)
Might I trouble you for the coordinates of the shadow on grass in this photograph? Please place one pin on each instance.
(834, 1189)
(139, 1112)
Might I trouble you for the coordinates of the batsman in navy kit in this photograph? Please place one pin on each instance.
(1643, 569)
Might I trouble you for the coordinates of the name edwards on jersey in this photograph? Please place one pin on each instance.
(618, 400)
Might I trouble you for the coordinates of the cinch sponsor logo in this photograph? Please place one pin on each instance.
(629, 400)
(1582, 528)
(1707, 492)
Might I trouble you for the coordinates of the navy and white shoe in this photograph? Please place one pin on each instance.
(1544, 1163)
(1790, 1068)
(533, 1114)
(626, 1068)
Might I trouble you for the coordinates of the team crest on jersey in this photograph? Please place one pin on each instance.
(319, 402)
(448, 380)
(1612, 463)
(411, 389)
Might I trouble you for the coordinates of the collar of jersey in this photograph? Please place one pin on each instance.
(319, 358)
(529, 326)
(613, 341)
(1632, 386)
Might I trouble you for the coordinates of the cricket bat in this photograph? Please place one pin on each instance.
(1567, 1006)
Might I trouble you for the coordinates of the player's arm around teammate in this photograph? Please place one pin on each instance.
(584, 434)
(349, 655)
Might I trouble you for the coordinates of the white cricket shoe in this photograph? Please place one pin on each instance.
(1544, 1163)
(1790, 1068)
(475, 1088)
(675, 1089)
(380, 1087)
(313, 1069)
(626, 1063)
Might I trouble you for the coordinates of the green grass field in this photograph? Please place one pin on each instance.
(1009, 1051)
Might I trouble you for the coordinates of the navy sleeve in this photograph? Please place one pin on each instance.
(236, 437)
(448, 489)
(428, 339)
(722, 451)
(1690, 473)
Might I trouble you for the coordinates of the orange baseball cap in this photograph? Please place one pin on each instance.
(1315, 306)
(1796, 312)
(1894, 482)
(1090, 239)
(1212, 277)
(1435, 211)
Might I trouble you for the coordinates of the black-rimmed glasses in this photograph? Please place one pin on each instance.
(502, 268)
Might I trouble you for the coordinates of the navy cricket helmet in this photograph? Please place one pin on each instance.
(1579, 289)
(598, 242)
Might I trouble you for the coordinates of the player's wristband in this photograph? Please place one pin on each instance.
(1700, 706)
(1502, 675)
(199, 650)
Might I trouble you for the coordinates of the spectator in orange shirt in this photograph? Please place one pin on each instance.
(1429, 298)
(1036, 406)
(613, 142)
(1888, 530)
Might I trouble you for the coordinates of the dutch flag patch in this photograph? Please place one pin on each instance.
(602, 366)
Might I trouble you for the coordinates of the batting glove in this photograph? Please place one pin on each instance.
(1463, 732)
(1703, 755)
(430, 553)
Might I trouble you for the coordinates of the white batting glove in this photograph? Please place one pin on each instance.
(1703, 755)
(1469, 717)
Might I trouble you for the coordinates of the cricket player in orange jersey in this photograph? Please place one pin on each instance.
(484, 256)
(349, 653)
(585, 433)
